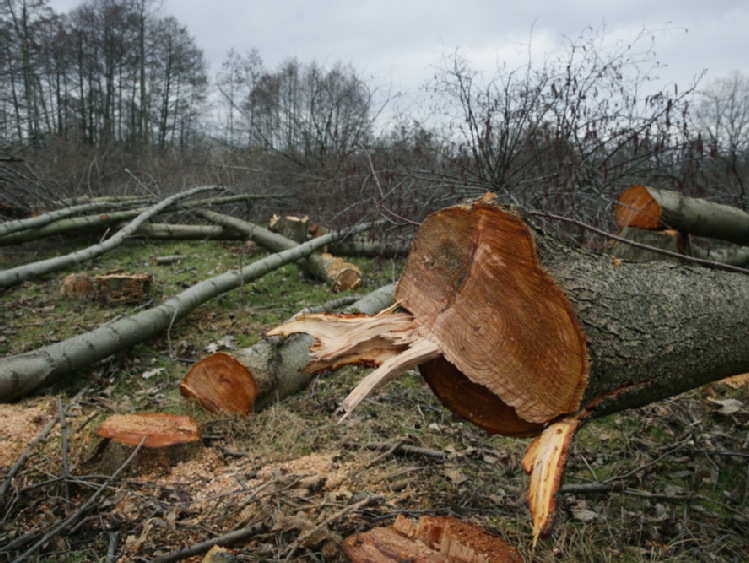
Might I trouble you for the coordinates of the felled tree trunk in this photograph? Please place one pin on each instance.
(24, 373)
(737, 256)
(17, 275)
(250, 379)
(363, 246)
(650, 208)
(669, 239)
(522, 334)
(339, 275)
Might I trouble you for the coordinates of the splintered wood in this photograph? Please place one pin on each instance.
(108, 289)
(432, 538)
(473, 292)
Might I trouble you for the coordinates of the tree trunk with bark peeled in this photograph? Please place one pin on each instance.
(525, 335)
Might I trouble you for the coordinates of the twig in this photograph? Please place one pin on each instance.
(693, 259)
(202, 547)
(64, 450)
(70, 520)
(329, 520)
(114, 538)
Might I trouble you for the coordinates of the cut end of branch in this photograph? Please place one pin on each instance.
(544, 462)
(638, 208)
(220, 384)
(159, 430)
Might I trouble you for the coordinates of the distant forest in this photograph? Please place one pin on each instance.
(116, 97)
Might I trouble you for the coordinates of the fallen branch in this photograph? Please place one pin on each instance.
(24, 373)
(339, 275)
(21, 273)
(11, 227)
(271, 370)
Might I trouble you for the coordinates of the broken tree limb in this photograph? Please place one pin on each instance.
(669, 239)
(171, 231)
(274, 368)
(10, 227)
(737, 256)
(75, 225)
(533, 332)
(362, 246)
(338, 274)
(16, 275)
(24, 373)
(644, 207)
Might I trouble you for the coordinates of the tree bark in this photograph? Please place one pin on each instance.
(534, 336)
(650, 208)
(21, 273)
(341, 277)
(24, 373)
(10, 227)
(272, 369)
(670, 240)
(362, 246)
(171, 231)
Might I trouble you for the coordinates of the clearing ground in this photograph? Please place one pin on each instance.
(668, 482)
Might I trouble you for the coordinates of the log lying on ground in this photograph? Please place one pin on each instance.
(522, 334)
(339, 275)
(668, 239)
(251, 379)
(21, 273)
(10, 227)
(363, 246)
(24, 373)
(650, 208)
(737, 256)
(432, 538)
(77, 225)
(170, 231)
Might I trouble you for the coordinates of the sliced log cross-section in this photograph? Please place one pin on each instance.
(156, 430)
(653, 209)
(525, 334)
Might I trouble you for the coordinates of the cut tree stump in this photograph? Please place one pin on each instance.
(653, 209)
(431, 539)
(523, 334)
(167, 440)
(122, 288)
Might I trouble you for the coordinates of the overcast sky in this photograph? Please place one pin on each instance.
(398, 43)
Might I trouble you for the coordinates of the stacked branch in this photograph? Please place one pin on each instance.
(524, 335)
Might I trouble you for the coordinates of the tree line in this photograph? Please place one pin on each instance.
(565, 134)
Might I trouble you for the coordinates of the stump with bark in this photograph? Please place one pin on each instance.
(524, 335)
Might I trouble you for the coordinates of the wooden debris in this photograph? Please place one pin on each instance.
(341, 275)
(160, 430)
(431, 539)
(220, 384)
(122, 288)
(166, 260)
(77, 285)
(544, 462)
